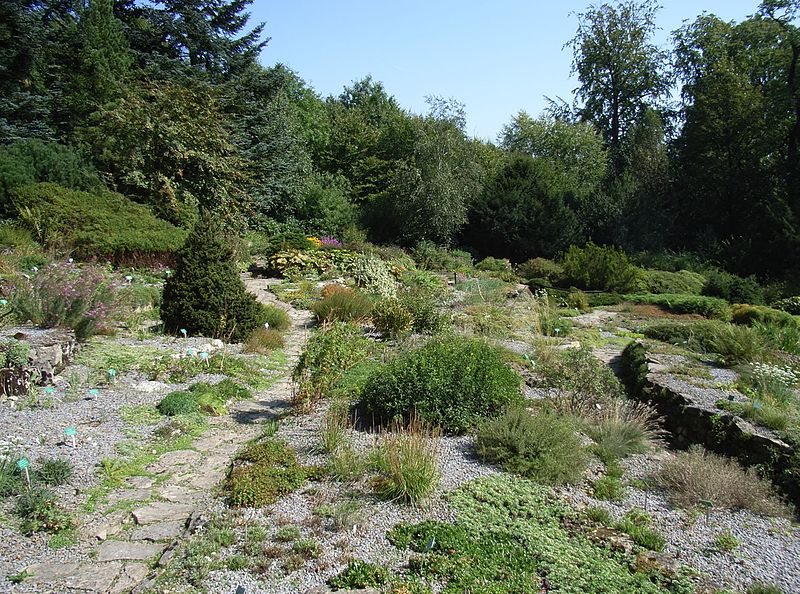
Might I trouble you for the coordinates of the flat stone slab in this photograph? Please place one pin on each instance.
(94, 577)
(162, 512)
(47, 573)
(140, 482)
(170, 460)
(130, 577)
(160, 531)
(129, 495)
(179, 494)
(120, 550)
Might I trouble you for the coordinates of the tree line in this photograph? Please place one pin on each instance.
(694, 146)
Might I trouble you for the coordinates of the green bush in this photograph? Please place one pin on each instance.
(327, 356)
(14, 353)
(542, 268)
(102, 225)
(422, 279)
(178, 403)
(282, 242)
(373, 275)
(205, 295)
(11, 482)
(543, 447)
(453, 383)
(577, 300)
(262, 473)
(13, 236)
(708, 307)
(790, 305)
(732, 288)
(39, 511)
(681, 282)
(603, 268)
(276, 317)
(343, 305)
(750, 315)
(491, 264)
(430, 256)
(392, 318)
(425, 314)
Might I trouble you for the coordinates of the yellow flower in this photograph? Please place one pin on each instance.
(315, 240)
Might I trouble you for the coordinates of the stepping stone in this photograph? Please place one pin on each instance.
(129, 495)
(161, 531)
(119, 550)
(94, 577)
(179, 494)
(131, 576)
(162, 512)
(171, 460)
(48, 573)
(140, 482)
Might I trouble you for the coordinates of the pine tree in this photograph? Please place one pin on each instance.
(205, 296)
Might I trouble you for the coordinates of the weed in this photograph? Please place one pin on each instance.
(599, 515)
(55, 471)
(289, 533)
(608, 488)
(342, 305)
(140, 414)
(359, 575)
(333, 430)
(726, 541)
(40, 512)
(346, 464)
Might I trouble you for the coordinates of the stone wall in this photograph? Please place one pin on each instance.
(50, 351)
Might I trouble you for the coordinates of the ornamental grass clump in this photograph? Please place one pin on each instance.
(65, 295)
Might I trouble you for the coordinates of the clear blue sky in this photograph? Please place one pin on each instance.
(495, 57)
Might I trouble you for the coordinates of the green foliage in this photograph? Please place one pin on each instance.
(359, 575)
(13, 236)
(790, 305)
(608, 488)
(373, 275)
(54, 471)
(392, 318)
(491, 264)
(726, 541)
(314, 261)
(429, 256)
(603, 268)
(14, 353)
(205, 295)
(276, 317)
(599, 515)
(343, 305)
(39, 511)
(636, 524)
(178, 403)
(31, 161)
(751, 315)
(452, 383)
(509, 533)
(708, 307)
(542, 268)
(524, 195)
(543, 447)
(760, 588)
(578, 300)
(329, 354)
(262, 473)
(681, 282)
(10, 480)
(96, 225)
(426, 317)
(732, 288)
(619, 438)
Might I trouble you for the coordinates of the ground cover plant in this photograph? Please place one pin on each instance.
(262, 472)
(451, 383)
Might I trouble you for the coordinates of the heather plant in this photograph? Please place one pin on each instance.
(65, 295)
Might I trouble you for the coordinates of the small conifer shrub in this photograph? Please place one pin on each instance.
(205, 296)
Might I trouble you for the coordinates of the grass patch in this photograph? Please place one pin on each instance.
(264, 341)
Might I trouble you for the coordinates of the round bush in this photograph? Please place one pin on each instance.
(178, 403)
(453, 383)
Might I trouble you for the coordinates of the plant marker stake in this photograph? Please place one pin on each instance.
(112, 374)
(190, 352)
(49, 390)
(3, 301)
(204, 357)
(183, 331)
(23, 466)
(94, 392)
(71, 432)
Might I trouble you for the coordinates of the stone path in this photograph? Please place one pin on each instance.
(130, 543)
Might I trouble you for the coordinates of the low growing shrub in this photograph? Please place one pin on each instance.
(708, 307)
(262, 473)
(452, 383)
(750, 315)
(543, 447)
(392, 318)
(65, 295)
(178, 403)
(359, 575)
(491, 264)
(276, 317)
(681, 282)
(732, 288)
(696, 475)
(373, 275)
(553, 272)
(603, 268)
(430, 256)
(39, 511)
